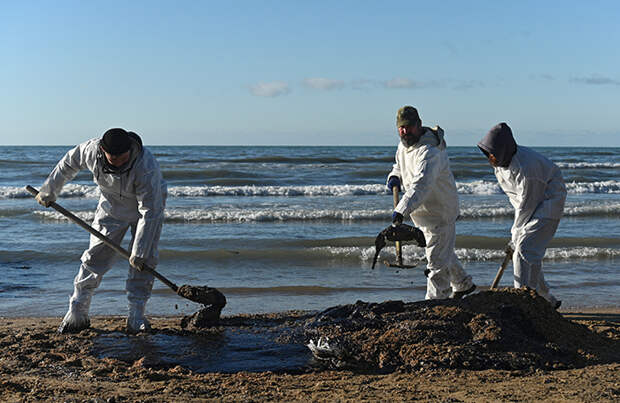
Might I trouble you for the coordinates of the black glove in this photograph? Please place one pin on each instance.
(397, 218)
(393, 181)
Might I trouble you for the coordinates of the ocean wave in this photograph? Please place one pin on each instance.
(213, 215)
(588, 165)
(278, 159)
(478, 187)
(68, 191)
(310, 190)
(244, 215)
(415, 255)
(471, 188)
(475, 187)
(593, 187)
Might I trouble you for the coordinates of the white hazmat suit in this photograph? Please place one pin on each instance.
(536, 190)
(132, 197)
(430, 196)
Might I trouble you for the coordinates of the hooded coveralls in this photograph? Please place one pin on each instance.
(430, 196)
(132, 198)
(537, 192)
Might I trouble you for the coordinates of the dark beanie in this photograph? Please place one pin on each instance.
(407, 116)
(116, 141)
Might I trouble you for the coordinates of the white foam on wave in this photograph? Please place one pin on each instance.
(227, 214)
(87, 216)
(243, 215)
(416, 254)
(478, 188)
(587, 165)
(268, 215)
(69, 190)
(612, 208)
(593, 187)
(486, 211)
(474, 188)
(311, 190)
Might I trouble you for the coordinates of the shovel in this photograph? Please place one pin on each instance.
(201, 295)
(502, 267)
(398, 244)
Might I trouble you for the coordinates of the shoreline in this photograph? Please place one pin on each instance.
(570, 312)
(38, 364)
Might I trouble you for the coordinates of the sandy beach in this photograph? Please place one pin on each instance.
(38, 364)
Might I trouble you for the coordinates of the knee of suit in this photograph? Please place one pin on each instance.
(98, 260)
(87, 278)
(528, 256)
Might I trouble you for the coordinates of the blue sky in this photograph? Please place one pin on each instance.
(309, 72)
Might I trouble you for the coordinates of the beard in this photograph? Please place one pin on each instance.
(409, 139)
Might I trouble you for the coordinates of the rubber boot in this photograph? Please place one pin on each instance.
(76, 319)
(136, 321)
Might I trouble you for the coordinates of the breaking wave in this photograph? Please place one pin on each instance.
(215, 215)
(588, 165)
(474, 188)
(416, 254)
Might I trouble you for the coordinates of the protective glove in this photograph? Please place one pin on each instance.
(393, 181)
(510, 247)
(397, 218)
(137, 263)
(45, 199)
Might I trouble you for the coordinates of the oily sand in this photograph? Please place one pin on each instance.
(506, 345)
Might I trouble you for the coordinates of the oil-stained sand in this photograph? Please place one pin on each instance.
(442, 351)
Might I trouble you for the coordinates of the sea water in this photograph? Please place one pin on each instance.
(281, 228)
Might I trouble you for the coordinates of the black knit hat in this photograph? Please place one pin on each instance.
(116, 141)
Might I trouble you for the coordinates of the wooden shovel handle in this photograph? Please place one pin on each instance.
(117, 248)
(501, 269)
(399, 246)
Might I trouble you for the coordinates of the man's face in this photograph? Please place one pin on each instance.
(492, 160)
(117, 160)
(410, 134)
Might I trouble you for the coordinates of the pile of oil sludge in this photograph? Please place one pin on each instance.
(505, 329)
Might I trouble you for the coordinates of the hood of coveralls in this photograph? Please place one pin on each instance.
(499, 142)
(433, 136)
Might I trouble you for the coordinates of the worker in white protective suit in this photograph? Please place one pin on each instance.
(133, 195)
(430, 197)
(536, 190)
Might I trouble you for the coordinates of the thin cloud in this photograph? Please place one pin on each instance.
(546, 77)
(319, 83)
(363, 84)
(272, 89)
(595, 80)
(468, 85)
(399, 83)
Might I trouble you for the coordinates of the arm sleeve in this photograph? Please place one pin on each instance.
(395, 172)
(66, 169)
(151, 196)
(531, 193)
(425, 172)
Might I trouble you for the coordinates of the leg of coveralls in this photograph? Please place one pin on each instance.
(438, 279)
(530, 247)
(460, 281)
(139, 285)
(96, 261)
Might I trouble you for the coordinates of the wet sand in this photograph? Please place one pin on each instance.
(97, 364)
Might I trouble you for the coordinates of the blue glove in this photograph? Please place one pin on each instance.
(393, 181)
(397, 218)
